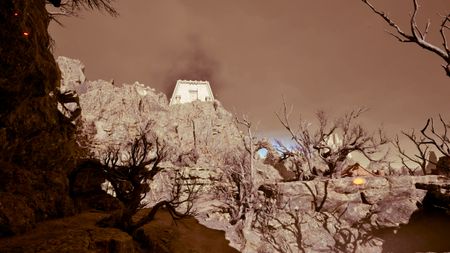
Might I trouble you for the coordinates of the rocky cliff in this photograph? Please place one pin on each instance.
(199, 135)
(327, 215)
(113, 114)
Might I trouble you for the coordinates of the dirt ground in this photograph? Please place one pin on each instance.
(185, 235)
(80, 234)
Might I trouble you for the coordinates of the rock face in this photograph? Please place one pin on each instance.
(74, 234)
(443, 166)
(114, 115)
(72, 74)
(199, 134)
(372, 210)
(37, 148)
(187, 236)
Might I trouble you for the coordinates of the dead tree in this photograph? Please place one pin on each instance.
(429, 138)
(130, 172)
(317, 207)
(273, 226)
(239, 174)
(418, 36)
(319, 144)
(419, 158)
(440, 141)
(302, 137)
(238, 189)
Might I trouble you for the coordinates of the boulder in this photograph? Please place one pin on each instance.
(442, 166)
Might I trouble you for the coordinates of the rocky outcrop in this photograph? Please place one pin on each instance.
(186, 236)
(74, 234)
(443, 166)
(374, 209)
(37, 148)
(392, 199)
(86, 188)
(199, 135)
(114, 115)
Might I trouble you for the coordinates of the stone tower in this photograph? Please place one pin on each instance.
(187, 91)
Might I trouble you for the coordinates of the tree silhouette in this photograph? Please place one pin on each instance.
(72, 7)
(130, 171)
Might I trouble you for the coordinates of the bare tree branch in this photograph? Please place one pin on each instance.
(417, 36)
(321, 144)
(420, 159)
(440, 141)
(430, 138)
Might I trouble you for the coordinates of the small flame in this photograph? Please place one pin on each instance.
(359, 181)
(26, 33)
(16, 14)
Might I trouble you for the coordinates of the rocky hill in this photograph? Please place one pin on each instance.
(336, 215)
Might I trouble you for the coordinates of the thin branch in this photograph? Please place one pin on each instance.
(417, 36)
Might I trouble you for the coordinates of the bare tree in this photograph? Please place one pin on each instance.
(419, 159)
(440, 141)
(319, 144)
(272, 224)
(429, 138)
(130, 173)
(418, 36)
(317, 206)
(302, 138)
(238, 189)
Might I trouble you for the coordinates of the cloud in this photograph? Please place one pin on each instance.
(192, 63)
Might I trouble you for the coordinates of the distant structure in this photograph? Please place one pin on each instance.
(334, 141)
(187, 91)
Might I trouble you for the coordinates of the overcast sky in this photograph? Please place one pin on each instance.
(321, 54)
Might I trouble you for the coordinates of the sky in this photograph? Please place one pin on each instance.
(318, 55)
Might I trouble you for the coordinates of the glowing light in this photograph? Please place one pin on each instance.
(16, 14)
(26, 33)
(359, 181)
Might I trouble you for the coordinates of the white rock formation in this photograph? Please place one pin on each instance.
(72, 73)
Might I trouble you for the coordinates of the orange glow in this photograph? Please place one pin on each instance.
(359, 181)
(26, 33)
(16, 14)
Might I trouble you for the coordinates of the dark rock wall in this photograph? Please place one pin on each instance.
(37, 146)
